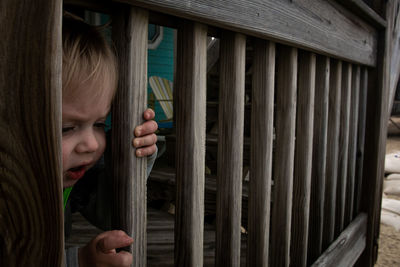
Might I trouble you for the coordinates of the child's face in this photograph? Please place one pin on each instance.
(83, 136)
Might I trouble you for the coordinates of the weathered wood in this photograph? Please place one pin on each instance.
(359, 7)
(303, 159)
(262, 117)
(129, 173)
(31, 224)
(319, 159)
(343, 147)
(375, 146)
(362, 117)
(230, 148)
(346, 249)
(332, 153)
(335, 31)
(353, 136)
(190, 84)
(284, 155)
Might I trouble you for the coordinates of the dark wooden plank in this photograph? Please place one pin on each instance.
(303, 159)
(262, 117)
(230, 148)
(353, 136)
(190, 84)
(130, 38)
(343, 147)
(284, 156)
(321, 26)
(319, 159)
(362, 117)
(360, 8)
(346, 249)
(332, 153)
(31, 224)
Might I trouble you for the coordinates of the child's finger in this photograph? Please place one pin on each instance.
(122, 258)
(146, 151)
(149, 114)
(147, 140)
(147, 127)
(110, 240)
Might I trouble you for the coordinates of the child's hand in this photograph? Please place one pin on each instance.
(101, 250)
(145, 140)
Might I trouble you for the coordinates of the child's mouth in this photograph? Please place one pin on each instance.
(76, 173)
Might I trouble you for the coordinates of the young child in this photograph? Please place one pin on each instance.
(88, 87)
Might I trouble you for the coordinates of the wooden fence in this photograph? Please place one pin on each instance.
(320, 87)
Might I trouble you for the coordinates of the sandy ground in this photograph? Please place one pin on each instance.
(389, 241)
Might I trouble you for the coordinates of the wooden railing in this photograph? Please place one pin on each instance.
(313, 64)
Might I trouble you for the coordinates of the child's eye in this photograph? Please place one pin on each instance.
(68, 129)
(100, 125)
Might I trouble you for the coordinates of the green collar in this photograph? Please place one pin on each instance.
(66, 193)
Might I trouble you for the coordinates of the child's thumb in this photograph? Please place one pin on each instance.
(111, 240)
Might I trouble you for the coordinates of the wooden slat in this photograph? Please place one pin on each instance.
(130, 38)
(230, 148)
(319, 159)
(262, 117)
(343, 147)
(346, 249)
(351, 170)
(303, 159)
(359, 7)
(284, 156)
(321, 26)
(31, 214)
(362, 117)
(332, 153)
(190, 84)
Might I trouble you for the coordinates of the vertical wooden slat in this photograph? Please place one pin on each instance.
(343, 147)
(284, 156)
(262, 117)
(230, 148)
(362, 117)
(319, 159)
(355, 95)
(332, 153)
(31, 215)
(129, 173)
(303, 159)
(190, 133)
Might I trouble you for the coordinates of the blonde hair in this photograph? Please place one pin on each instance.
(87, 58)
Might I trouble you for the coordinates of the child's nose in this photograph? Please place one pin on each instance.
(88, 143)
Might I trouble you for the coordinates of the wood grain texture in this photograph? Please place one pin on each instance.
(332, 152)
(262, 127)
(319, 158)
(129, 173)
(362, 117)
(283, 165)
(343, 147)
(346, 249)
(303, 159)
(353, 136)
(31, 213)
(321, 26)
(230, 148)
(360, 8)
(190, 84)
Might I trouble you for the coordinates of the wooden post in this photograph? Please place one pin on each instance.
(130, 37)
(230, 148)
(31, 213)
(284, 156)
(355, 96)
(262, 117)
(343, 148)
(332, 153)
(319, 159)
(190, 143)
(303, 159)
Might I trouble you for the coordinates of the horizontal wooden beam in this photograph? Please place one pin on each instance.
(360, 8)
(324, 27)
(346, 249)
